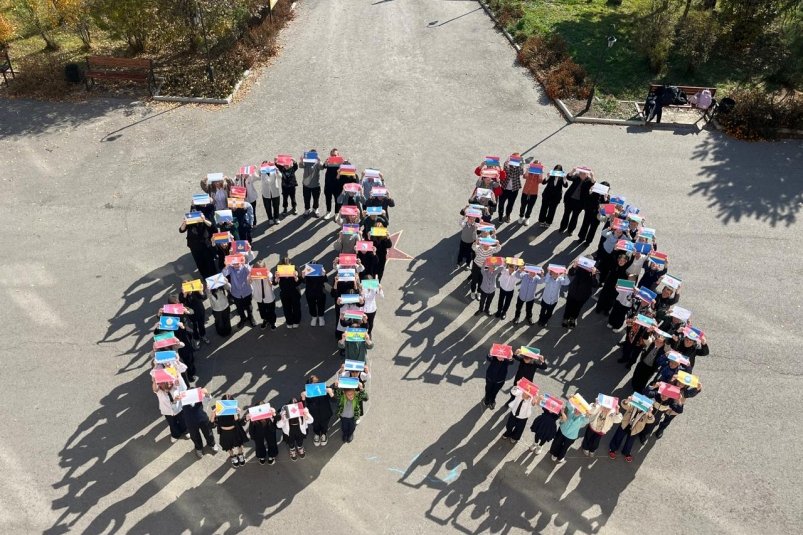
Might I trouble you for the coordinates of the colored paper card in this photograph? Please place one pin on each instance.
(529, 352)
(635, 217)
(174, 309)
(223, 216)
(238, 192)
(641, 402)
(514, 162)
(354, 314)
(234, 259)
(473, 213)
(494, 261)
(492, 160)
(201, 199)
(608, 402)
(315, 390)
(379, 191)
(267, 169)
(285, 160)
(352, 187)
(347, 259)
(349, 211)
(235, 204)
(374, 210)
(346, 275)
(313, 270)
(556, 172)
(357, 329)
(483, 193)
(501, 351)
(348, 383)
(165, 342)
(285, 270)
(348, 299)
(618, 199)
(216, 281)
(194, 285)
(163, 336)
(602, 189)
(687, 379)
(556, 268)
(294, 410)
(214, 177)
(347, 169)
(161, 375)
(646, 295)
(647, 232)
(221, 238)
(664, 334)
(579, 403)
(168, 323)
(669, 391)
(193, 217)
(525, 385)
(552, 404)
(247, 170)
(485, 227)
(355, 337)
(680, 313)
(351, 229)
(514, 261)
(226, 407)
(192, 396)
(625, 245)
(372, 173)
(163, 357)
(370, 284)
(535, 270)
(310, 157)
(607, 209)
(671, 281)
(643, 248)
(354, 365)
(261, 412)
(620, 224)
(644, 321)
(364, 246)
(693, 333)
(240, 246)
(535, 169)
(631, 209)
(334, 160)
(674, 356)
(260, 273)
(586, 263)
(379, 232)
(658, 258)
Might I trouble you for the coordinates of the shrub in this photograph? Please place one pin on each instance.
(7, 30)
(542, 53)
(696, 39)
(507, 11)
(759, 115)
(567, 80)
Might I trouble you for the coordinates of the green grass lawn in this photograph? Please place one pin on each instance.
(623, 70)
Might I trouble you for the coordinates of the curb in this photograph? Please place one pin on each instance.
(204, 100)
(499, 26)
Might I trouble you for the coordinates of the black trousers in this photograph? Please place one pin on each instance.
(505, 297)
(288, 195)
(313, 194)
(528, 307)
(223, 321)
(176, 424)
(622, 438)
(527, 205)
(588, 229)
(370, 316)
(347, 426)
(266, 447)
(254, 207)
(476, 276)
(316, 303)
(295, 438)
(508, 197)
(515, 427)
(320, 426)
(546, 312)
(291, 304)
(591, 440)
(560, 445)
(464, 254)
(492, 388)
(271, 207)
(572, 309)
(380, 268)
(330, 195)
(267, 312)
(205, 260)
(243, 305)
(571, 211)
(485, 301)
(205, 429)
(547, 213)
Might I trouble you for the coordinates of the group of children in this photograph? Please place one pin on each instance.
(219, 228)
(635, 292)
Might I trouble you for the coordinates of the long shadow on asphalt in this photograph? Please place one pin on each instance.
(101, 455)
(444, 344)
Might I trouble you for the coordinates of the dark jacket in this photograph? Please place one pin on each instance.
(553, 188)
(288, 175)
(527, 369)
(576, 182)
(315, 285)
(497, 369)
(582, 285)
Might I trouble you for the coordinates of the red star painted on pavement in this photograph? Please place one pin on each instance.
(393, 252)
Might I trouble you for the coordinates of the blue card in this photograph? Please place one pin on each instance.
(350, 299)
(643, 248)
(168, 323)
(348, 383)
(163, 357)
(354, 365)
(313, 270)
(315, 390)
(374, 210)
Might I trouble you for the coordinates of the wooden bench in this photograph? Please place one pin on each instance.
(5, 64)
(688, 89)
(111, 68)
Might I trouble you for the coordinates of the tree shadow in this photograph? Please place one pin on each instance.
(750, 180)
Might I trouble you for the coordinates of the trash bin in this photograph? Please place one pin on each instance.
(73, 73)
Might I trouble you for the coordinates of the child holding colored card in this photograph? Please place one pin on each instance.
(601, 420)
(371, 289)
(331, 185)
(170, 407)
(320, 407)
(221, 309)
(481, 253)
(288, 292)
(529, 193)
(555, 280)
(508, 277)
(495, 377)
(311, 182)
(550, 197)
(633, 422)
(287, 169)
(490, 275)
(668, 404)
(230, 432)
(264, 294)
(271, 190)
(572, 421)
(608, 294)
(295, 418)
(544, 427)
(468, 234)
(349, 409)
(521, 407)
(580, 290)
(511, 184)
(591, 215)
(199, 237)
(315, 292)
(263, 433)
(530, 277)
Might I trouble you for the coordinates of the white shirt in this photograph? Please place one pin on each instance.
(251, 194)
(508, 280)
(284, 423)
(552, 288)
(370, 299)
(268, 296)
(637, 265)
(526, 404)
(271, 185)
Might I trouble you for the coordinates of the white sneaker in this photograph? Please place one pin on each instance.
(521, 221)
(173, 440)
(216, 448)
(357, 421)
(307, 212)
(526, 222)
(316, 212)
(554, 458)
(313, 321)
(321, 323)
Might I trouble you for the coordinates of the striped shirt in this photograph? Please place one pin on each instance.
(482, 253)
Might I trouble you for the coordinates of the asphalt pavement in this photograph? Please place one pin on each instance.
(93, 193)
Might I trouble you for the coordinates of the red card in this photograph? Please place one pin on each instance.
(502, 351)
(334, 160)
(670, 391)
(528, 386)
(234, 259)
(285, 160)
(347, 260)
(238, 192)
(259, 273)
(493, 261)
(351, 186)
(349, 211)
(167, 342)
